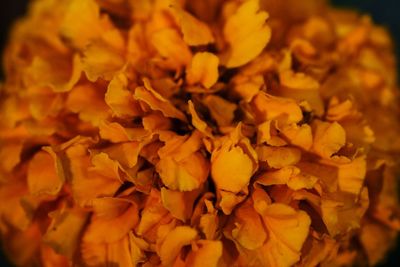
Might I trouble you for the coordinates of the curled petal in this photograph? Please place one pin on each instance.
(278, 157)
(249, 230)
(175, 240)
(267, 107)
(120, 99)
(157, 102)
(205, 253)
(195, 32)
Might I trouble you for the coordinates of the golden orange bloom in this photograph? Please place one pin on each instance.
(212, 133)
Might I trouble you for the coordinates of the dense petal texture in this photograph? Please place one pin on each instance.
(191, 133)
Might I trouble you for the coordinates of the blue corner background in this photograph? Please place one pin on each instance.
(385, 12)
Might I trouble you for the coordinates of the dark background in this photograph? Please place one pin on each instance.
(385, 12)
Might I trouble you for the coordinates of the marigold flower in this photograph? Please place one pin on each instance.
(198, 133)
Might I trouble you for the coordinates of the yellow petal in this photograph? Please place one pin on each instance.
(278, 157)
(231, 169)
(229, 200)
(170, 46)
(351, 176)
(300, 136)
(287, 230)
(246, 33)
(298, 81)
(302, 87)
(102, 59)
(247, 86)
(203, 69)
(267, 107)
(281, 176)
(81, 29)
(116, 133)
(137, 249)
(195, 32)
(180, 147)
(328, 138)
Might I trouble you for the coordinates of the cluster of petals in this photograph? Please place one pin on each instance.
(198, 133)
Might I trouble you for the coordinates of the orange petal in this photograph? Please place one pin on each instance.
(81, 29)
(185, 175)
(179, 204)
(88, 103)
(328, 138)
(278, 157)
(169, 45)
(175, 240)
(288, 230)
(86, 184)
(120, 99)
(45, 173)
(113, 218)
(104, 58)
(198, 123)
(267, 107)
(300, 136)
(195, 32)
(203, 69)
(64, 232)
(118, 252)
(302, 87)
(231, 169)
(205, 253)
(249, 231)
(221, 110)
(246, 33)
(157, 102)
